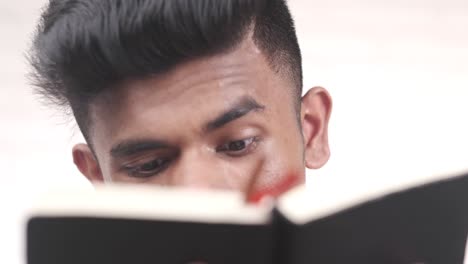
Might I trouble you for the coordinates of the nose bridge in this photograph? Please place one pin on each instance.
(198, 168)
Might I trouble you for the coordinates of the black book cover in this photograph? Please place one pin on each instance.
(427, 224)
(124, 241)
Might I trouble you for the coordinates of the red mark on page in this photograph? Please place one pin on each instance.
(280, 187)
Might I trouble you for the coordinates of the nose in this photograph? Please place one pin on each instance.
(201, 169)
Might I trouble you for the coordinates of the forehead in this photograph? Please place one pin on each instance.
(198, 89)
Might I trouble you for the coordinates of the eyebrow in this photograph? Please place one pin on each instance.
(131, 147)
(244, 106)
(241, 108)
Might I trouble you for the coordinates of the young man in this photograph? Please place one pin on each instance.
(196, 93)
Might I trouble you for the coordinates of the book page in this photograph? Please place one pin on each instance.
(145, 202)
(466, 252)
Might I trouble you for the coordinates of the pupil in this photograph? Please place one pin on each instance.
(150, 166)
(237, 145)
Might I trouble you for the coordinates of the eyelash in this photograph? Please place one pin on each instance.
(136, 171)
(249, 145)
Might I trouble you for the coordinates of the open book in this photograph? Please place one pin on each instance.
(143, 225)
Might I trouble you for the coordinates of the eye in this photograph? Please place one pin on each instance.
(238, 147)
(148, 169)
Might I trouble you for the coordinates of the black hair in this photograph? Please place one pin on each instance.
(83, 47)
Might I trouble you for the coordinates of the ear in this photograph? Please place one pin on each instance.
(85, 161)
(316, 106)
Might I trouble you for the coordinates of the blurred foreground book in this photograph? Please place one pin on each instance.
(143, 225)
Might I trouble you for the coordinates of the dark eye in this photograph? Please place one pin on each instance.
(149, 168)
(238, 147)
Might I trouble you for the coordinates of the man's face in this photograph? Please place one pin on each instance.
(225, 122)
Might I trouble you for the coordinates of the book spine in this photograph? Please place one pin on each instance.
(283, 245)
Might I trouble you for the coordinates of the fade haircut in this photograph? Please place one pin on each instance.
(85, 47)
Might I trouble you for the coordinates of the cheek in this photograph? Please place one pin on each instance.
(235, 174)
(282, 170)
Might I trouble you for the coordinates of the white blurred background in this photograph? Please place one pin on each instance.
(397, 70)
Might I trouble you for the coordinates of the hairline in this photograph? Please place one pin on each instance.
(249, 35)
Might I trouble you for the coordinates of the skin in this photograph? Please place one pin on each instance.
(222, 122)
